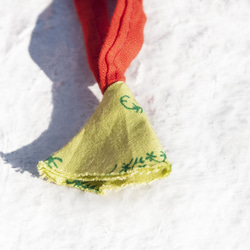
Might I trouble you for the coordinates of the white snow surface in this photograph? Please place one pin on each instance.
(192, 77)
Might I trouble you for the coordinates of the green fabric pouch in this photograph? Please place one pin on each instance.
(116, 147)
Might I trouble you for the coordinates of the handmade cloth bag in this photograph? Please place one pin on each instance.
(118, 145)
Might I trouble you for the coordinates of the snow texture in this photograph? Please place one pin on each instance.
(192, 77)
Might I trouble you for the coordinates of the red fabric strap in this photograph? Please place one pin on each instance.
(111, 48)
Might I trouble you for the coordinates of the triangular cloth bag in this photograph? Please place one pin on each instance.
(117, 146)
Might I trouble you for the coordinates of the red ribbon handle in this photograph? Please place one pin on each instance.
(111, 47)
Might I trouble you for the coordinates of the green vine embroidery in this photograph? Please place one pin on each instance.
(134, 106)
(126, 167)
(140, 162)
(151, 157)
(163, 155)
(82, 184)
(52, 160)
(113, 169)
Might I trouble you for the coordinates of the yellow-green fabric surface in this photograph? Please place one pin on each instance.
(116, 147)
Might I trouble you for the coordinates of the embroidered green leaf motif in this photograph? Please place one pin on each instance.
(137, 162)
(134, 106)
(163, 155)
(82, 184)
(113, 169)
(151, 156)
(126, 167)
(52, 160)
(140, 162)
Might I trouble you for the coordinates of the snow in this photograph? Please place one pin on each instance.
(191, 77)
